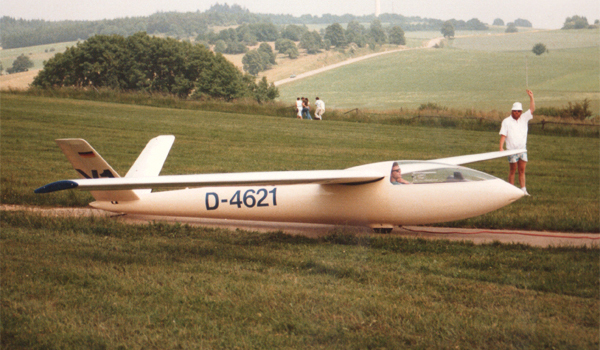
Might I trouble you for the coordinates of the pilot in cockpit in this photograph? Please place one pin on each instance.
(396, 175)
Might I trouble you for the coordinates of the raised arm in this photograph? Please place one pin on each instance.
(531, 101)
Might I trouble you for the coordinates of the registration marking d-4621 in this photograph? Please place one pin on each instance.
(249, 199)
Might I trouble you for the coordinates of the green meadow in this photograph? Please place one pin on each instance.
(562, 175)
(95, 283)
(484, 72)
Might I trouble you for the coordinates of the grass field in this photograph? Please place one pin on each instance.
(96, 284)
(37, 54)
(484, 73)
(562, 176)
(553, 39)
(456, 79)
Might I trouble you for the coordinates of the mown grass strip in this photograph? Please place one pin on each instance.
(96, 283)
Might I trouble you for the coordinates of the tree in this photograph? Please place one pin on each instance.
(144, 63)
(336, 35)
(539, 49)
(355, 33)
(293, 32)
(476, 24)
(253, 62)
(265, 92)
(220, 46)
(498, 22)
(21, 64)
(264, 31)
(396, 36)
(519, 22)
(312, 42)
(235, 48)
(575, 22)
(287, 47)
(511, 28)
(268, 50)
(447, 29)
(376, 32)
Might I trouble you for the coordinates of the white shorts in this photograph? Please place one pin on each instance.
(516, 157)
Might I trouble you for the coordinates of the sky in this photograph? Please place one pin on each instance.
(547, 14)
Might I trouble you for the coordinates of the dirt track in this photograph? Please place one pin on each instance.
(477, 236)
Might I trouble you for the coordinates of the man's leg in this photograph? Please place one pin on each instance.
(521, 164)
(511, 173)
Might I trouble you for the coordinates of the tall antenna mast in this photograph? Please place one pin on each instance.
(526, 74)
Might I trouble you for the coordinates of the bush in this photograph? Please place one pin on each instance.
(432, 107)
(511, 28)
(579, 111)
(21, 64)
(539, 49)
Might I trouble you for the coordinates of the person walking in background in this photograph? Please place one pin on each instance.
(306, 109)
(299, 108)
(514, 132)
(320, 108)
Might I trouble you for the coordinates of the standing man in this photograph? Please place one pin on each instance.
(514, 132)
(320, 109)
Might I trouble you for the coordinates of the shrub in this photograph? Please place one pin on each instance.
(579, 111)
(539, 49)
(432, 106)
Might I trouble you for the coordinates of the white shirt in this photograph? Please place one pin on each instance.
(299, 104)
(516, 131)
(320, 104)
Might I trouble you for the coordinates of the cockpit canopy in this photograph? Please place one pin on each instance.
(439, 173)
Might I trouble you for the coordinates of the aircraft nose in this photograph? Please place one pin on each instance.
(512, 192)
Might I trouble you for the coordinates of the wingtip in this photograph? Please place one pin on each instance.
(57, 186)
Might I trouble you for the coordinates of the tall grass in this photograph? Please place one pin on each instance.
(96, 283)
(441, 116)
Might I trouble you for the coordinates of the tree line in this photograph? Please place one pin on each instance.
(333, 36)
(142, 62)
(22, 33)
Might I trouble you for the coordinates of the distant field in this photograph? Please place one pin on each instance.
(563, 173)
(469, 79)
(554, 40)
(37, 54)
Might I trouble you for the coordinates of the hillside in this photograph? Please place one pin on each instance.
(477, 72)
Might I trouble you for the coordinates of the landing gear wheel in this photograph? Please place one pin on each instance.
(383, 230)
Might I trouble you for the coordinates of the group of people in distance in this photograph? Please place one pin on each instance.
(303, 108)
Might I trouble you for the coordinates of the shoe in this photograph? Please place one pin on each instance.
(525, 191)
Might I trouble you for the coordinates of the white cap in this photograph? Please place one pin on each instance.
(517, 106)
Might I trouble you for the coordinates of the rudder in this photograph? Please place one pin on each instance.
(89, 164)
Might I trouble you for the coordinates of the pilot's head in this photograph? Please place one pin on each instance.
(396, 173)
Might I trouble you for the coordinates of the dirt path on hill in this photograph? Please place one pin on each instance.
(477, 236)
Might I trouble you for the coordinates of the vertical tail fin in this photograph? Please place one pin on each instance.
(89, 164)
(151, 160)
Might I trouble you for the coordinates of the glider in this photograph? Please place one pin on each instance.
(378, 195)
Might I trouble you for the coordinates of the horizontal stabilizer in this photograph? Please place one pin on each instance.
(324, 177)
(472, 158)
